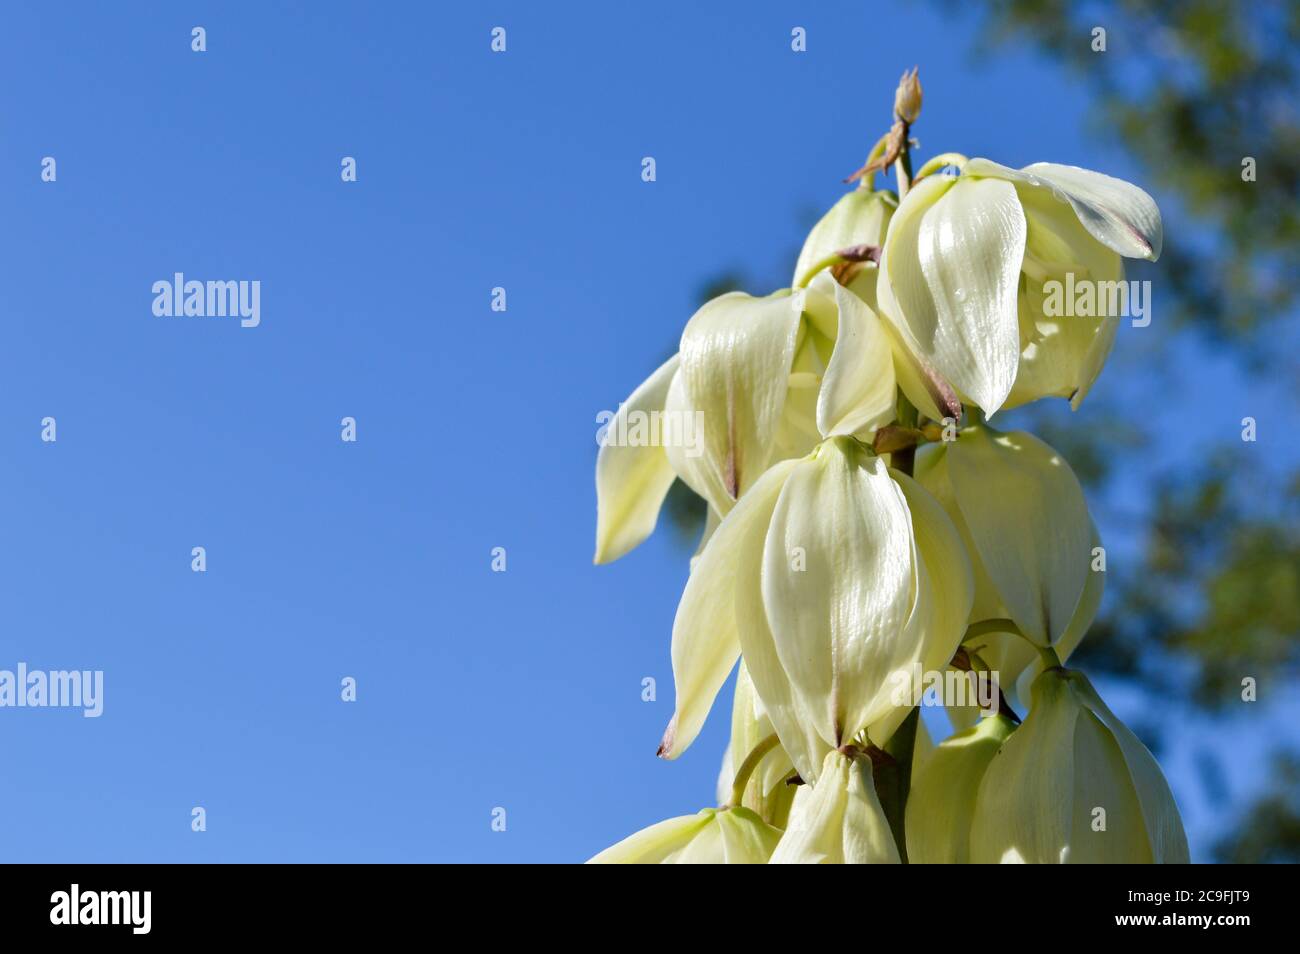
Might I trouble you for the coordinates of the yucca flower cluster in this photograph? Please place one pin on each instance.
(867, 522)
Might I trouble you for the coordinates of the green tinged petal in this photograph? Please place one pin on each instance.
(631, 481)
(942, 798)
(1014, 480)
(746, 838)
(1074, 785)
(657, 844)
(1164, 825)
(1025, 807)
(715, 836)
(944, 593)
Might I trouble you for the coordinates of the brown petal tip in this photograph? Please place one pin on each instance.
(665, 750)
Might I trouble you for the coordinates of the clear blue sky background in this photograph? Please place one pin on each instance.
(476, 429)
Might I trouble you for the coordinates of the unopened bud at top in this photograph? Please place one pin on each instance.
(907, 98)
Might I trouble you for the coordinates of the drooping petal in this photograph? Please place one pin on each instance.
(951, 269)
(921, 383)
(1162, 821)
(1024, 810)
(839, 821)
(939, 546)
(1108, 827)
(1014, 480)
(656, 844)
(945, 590)
(1073, 785)
(746, 838)
(1063, 346)
(735, 354)
(1117, 213)
(858, 390)
(705, 640)
(838, 614)
(632, 479)
(1020, 664)
(781, 706)
(733, 836)
(941, 802)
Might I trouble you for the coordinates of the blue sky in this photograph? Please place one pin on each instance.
(326, 559)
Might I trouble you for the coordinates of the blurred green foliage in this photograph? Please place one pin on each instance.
(1191, 88)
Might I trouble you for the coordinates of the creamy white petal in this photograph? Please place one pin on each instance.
(952, 583)
(1117, 213)
(631, 481)
(1063, 352)
(1014, 480)
(1072, 784)
(746, 838)
(711, 523)
(655, 844)
(838, 623)
(1162, 822)
(945, 590)
(1024, 810)
(858, 393)
(952, 260)
(941, 801)
(1020, 663)
(781, 706)
(736, 354)
(1103, 792)
(840, 821)
(705, 641)
(797, 433)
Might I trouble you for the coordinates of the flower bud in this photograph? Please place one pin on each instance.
(1074, 785)
(907, 98)
(838, 820)
(716, 836)
(942, 798)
